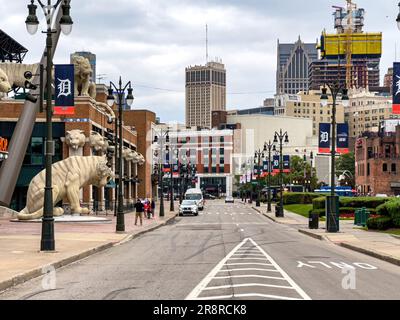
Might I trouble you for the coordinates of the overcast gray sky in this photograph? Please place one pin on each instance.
(150, 42)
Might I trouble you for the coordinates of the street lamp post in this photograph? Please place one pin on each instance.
(269, 147)
(120, 91)
(281, 137)
(336, 88)
(163, 134)
(257, 156)
(47, 242)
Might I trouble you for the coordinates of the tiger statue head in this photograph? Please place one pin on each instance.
(104, 173)
(75, 139)
(4, 83)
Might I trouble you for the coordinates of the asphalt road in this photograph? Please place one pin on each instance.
(228, 252)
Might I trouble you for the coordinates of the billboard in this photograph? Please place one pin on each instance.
(363, 45)
(324, 142)
(64, 93)
(396, 88)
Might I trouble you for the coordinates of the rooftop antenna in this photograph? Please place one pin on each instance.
(206, 43)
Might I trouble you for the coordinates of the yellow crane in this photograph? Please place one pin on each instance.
(348, 30)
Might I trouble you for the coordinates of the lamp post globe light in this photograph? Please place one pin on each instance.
(32, 24)
(281, 138)
(120, 91)
(332, 205)
(398, 18)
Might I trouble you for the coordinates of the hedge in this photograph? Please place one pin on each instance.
(342, 210)
(299, 197)
(393, 208)
(379, 223)
(348, 202)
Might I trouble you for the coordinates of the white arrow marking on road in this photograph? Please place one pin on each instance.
(247, 295)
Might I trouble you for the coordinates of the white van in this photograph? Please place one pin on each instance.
(197, 195)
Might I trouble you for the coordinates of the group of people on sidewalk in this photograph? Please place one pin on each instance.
(145, 207)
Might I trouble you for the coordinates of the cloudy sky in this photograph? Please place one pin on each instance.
(150, 42)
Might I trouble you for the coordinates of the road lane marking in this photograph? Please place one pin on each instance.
(248, 254)
(247, 295)
(247, 244)
(249, 276)
(246, 269)
(242, 285)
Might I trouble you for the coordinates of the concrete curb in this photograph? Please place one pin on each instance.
(37, 272)
(371, 253)
(311, 234)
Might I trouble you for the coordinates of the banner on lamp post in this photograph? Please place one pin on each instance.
(342, 138)
(286, 164)
(396, 88)
(275, 164)
(64, 89)
(324, 141)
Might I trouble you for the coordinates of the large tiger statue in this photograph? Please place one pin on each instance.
(69, 176)
(12, 75)
(83, 72)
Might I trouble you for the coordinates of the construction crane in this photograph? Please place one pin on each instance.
(349, 29)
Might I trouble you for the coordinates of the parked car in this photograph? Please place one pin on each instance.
(209, 196)
(188, 207)
(229, 200)
(196, 195)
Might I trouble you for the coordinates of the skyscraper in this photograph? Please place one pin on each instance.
(205, 93)
(292, 66)
(92, 60)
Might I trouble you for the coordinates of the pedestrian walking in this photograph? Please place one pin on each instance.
(153, 207)
(139, 212)
(147, 208)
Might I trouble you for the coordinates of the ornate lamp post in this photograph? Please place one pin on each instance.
(163, 134)
(269, 147)
(335, 88)
(258, 155)
(32, 23)
(120, 91)
(398, 19)
(281, 137)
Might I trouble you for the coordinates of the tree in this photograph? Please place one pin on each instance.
(346, 166)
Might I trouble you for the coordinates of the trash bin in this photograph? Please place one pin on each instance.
(278, 212)
(313, 221)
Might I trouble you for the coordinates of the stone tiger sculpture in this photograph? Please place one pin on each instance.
(12, 75)
(69, 176)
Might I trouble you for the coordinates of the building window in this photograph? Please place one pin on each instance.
(384, 167)
(394, 167)
(368, 169)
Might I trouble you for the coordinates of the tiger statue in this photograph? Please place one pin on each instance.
(69, 176)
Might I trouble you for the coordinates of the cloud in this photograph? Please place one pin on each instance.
(150, 42)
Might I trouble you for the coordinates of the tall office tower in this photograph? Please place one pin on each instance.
(92, 59)
(292, 66)
(350, 55)
(205, 93)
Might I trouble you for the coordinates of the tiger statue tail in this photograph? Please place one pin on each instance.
(25, 215)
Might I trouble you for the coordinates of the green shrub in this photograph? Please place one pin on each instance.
(393, 208)
(299, 197)
(379, 223)
(319, 203)
(382, 209)
(361, 202)
(321, 212)
(347, 210)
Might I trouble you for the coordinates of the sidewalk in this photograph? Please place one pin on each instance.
(379, 245)
(21, 259)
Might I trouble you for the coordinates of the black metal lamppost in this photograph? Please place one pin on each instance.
(281, 138)
(332, 205)
(269, 147)
(120, 91)
(163, 134)
(258, 155)
(47, 242)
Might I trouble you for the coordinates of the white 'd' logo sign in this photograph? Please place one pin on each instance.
(64, 87)
(324, 136)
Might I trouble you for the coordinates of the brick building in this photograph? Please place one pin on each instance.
(378, 163)
(89, 118)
